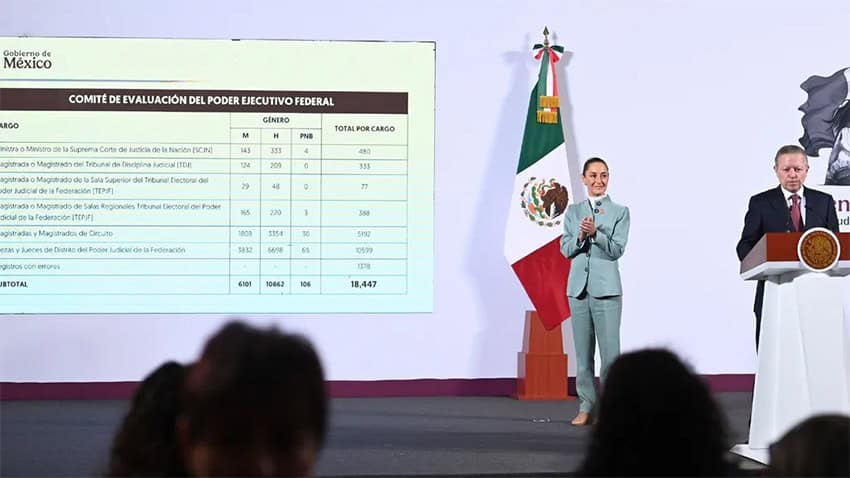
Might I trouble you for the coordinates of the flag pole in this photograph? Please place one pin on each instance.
(542, 363)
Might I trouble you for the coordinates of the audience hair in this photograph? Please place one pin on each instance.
(655, 417)
(146, 442)
(817, 446)
(257, 399)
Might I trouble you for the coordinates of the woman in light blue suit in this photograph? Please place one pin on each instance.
(595, 236)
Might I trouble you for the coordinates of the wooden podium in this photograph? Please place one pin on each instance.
(542, 364)
(803, 361)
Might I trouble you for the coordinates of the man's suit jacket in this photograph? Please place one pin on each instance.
(768, 212)
(594, 261)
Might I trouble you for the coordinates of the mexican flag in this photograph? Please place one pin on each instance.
(540, 197)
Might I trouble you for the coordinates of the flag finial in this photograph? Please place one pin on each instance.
(548, 101)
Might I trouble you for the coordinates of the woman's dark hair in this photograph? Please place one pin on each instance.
(655, 417)
(591, 161)
(819, 446)
(146, 442)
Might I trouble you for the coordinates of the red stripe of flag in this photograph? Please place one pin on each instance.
(543, 274)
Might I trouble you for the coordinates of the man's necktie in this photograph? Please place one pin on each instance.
(796, 218)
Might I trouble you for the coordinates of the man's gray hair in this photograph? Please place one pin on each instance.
(789, 149)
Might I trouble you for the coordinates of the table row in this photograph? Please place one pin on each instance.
(186, 250)
(200, 285)
(158, 129)
(151, 154)
(232, 213)
(49, 266)
(37, 235)
(332, 187)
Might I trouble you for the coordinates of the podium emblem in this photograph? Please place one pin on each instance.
(818, 249)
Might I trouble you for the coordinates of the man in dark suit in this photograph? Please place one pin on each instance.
(786, 208)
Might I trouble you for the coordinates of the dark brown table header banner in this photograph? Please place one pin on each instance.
(220, 101)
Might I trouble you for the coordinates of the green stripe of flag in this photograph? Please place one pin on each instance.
(539, 138)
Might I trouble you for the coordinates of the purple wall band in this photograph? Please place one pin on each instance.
(488, 387)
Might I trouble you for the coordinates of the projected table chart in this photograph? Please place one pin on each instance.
(204, 192)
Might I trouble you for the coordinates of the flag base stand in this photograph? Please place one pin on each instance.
(759, 455)
(542, 364)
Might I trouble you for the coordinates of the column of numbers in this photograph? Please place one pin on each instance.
(306, 211)
(245, 211)
(364, 208)
(276, 233)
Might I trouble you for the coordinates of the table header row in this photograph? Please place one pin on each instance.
(222, 101)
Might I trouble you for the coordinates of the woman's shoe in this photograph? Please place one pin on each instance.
(582, 419)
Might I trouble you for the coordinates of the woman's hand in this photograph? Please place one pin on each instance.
(587, 228)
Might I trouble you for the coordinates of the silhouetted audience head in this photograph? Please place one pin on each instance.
(818, 446)
(655, 417)
(146, 443)
(256, 405)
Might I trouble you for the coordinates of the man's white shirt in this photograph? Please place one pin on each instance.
(788, 201)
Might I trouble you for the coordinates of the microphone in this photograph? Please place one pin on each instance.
(594, 207)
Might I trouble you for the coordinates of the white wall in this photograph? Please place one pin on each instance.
(688, 100)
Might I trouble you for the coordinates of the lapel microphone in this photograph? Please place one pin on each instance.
(594, 207)
(593, 212)
(805, 218)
